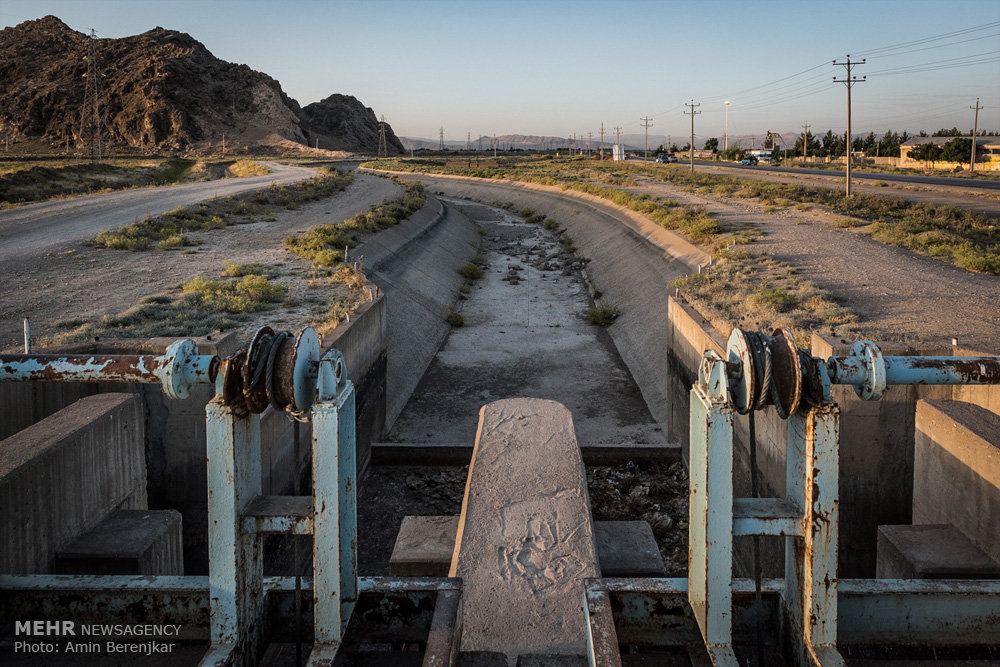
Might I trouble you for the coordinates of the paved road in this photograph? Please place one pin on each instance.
(870, 175)
(39, 228)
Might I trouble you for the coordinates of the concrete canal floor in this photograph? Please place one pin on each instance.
(526, 335)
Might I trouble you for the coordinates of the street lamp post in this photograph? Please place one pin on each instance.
(726, 144)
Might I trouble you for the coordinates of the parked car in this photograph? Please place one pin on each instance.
(750, 161)
(662, 159)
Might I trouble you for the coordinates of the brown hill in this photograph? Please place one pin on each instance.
(342, 120)
(160, 90)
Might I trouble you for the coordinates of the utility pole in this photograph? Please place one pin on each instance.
(850, 81)
(602, 139)
(494, 145)
(480, 143)
(468, 141)
(590, 135)
(805, 142)
(441, 140)
(618, 141)
(647, 122)
(726, 144)
(692, 113)
(90, 123)
(975, 131)
(383, 151)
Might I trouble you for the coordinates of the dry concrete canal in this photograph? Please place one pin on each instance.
(525, 333)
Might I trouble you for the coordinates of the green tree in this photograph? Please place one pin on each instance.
(928, 152)
(953, 132)
(733, 153)
(958, 150)
(673, 148)
(712, 144)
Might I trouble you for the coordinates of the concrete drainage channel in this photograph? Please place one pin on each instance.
(525, 333)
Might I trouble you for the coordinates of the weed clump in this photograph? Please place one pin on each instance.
(602, 314)
(471, 271)
(454, 318)
(243, 168)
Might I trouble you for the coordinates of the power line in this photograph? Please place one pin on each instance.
(933, 38)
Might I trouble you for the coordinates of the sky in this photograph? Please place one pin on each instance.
(548, 67)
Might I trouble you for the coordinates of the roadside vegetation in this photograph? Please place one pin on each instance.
(964, 238)
(33, 179)
(197, 307)
(171, 230)
(324, 245)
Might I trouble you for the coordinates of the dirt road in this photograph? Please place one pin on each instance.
(36, 229)
(80, 282)
(896, 292)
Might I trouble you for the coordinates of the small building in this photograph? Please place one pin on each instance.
(987, 152)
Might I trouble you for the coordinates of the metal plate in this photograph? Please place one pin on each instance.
(305, 369)
(742, 389)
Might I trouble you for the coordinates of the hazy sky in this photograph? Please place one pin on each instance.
(554, 68)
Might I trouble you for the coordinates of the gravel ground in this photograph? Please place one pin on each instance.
(633, 491)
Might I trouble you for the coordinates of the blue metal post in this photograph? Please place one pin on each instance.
(335, 538)
(235, 560)
(812, 468)
(710, 567)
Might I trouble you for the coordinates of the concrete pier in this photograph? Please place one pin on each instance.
(525, 538)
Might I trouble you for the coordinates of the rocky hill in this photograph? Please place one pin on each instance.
(341, 121)
(160, 90)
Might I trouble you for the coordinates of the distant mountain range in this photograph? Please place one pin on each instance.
(632, 142)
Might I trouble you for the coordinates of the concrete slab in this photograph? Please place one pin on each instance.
(425, 544)
(525, 539)
(628, 549)
(956, 470)
(127, 542)
(936, 551)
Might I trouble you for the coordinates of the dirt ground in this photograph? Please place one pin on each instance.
(632, 491)
(78, 282)
(898, 294)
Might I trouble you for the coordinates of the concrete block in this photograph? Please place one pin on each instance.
(628, 549)
(425, 544)
(63, 475)
(127, 542)
(936, 551)
(525, 539)
(957, 470)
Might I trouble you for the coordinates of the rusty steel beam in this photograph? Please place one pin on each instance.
(445, 636)
(177, 370)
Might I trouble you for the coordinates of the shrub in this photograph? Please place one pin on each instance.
(602, 314)
(454, 318)
(470, 271)
(775, 297)
(248, 168)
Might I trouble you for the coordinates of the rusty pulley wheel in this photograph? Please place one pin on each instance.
(232, 384)
(786, 383)
(255, 370)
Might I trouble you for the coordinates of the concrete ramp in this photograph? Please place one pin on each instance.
(525, 538)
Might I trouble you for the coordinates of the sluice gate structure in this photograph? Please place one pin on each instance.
(234, 612)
